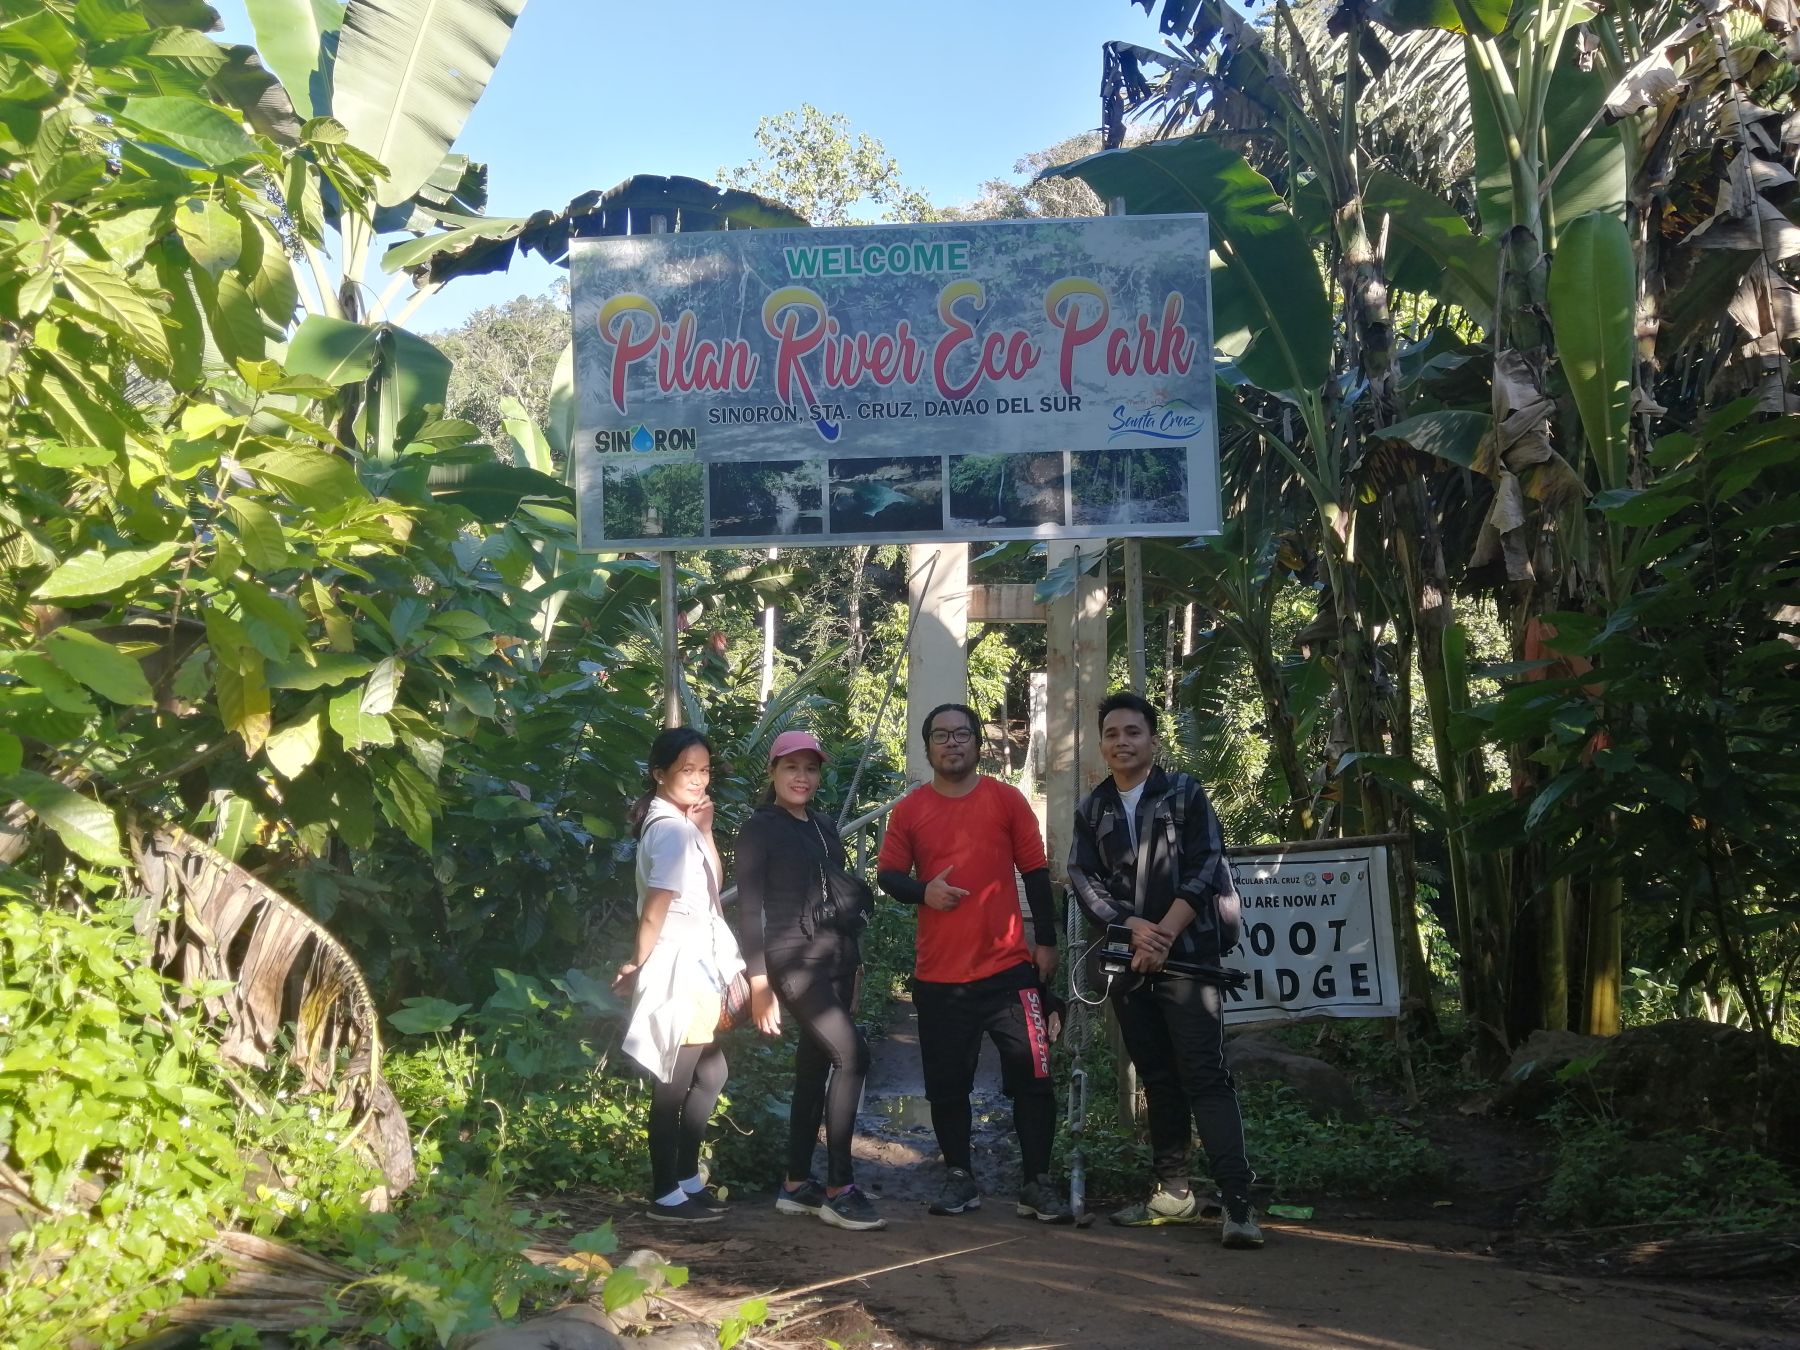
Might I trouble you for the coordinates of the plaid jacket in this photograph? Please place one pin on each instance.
(1179, 841)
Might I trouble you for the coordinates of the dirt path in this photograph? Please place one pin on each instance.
(1363, 1283)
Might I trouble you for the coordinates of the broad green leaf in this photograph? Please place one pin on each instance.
(121, 307)
(1450, 434)
(298, 39)
(190, 126)
(328, 668)
(12, 753)
(355, 727)
(333, 350)
(408, 799)
(412, 376)
(58, 689)
(407, 74)
(98, 572)
(417, 251)
(99, 665)
(1593, 305)
(530, 442)
(383, 687)
(560, 428)
(260, 534)
(460, 623)
(1553, 792)
(295, 746)
(1430, 245)
(1269, 293)
(74, 456)
(86, 828)
(36, 291)
(315, 479)
(244, 698)
(1408, 16)
(243, 82)
(426, 1016)
(492, 492)
(236, 828)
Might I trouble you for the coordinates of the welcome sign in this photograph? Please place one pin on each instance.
(990, 380)
(1318, 935)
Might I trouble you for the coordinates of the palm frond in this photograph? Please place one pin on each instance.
(224, 925)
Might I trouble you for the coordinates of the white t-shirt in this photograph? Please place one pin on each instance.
(1129, 800)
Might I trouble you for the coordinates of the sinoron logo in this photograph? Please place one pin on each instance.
(645, 439)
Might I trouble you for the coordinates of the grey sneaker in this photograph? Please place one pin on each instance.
(959, 1193)
(1241, 1232)
(851, 1209)
(806, 1198)
(1041, 1200)
(1164, 1208)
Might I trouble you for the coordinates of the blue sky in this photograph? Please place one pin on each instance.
(590, 92)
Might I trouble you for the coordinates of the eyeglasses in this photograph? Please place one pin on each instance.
(961, 736)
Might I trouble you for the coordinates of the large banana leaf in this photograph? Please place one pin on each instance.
(408, 72)
(1593, 179)
(298, 41)
(1267, 292)
(1593, 303)
(284, 967)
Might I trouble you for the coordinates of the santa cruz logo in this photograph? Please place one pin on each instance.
(1176, 420)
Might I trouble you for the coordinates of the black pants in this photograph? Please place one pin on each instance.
(830, 1066)
(679, 1112)
(1175, 1037)
(952, 1019)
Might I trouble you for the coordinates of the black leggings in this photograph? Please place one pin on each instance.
(818, 998)
(679, 1112)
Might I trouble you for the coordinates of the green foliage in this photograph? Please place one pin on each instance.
(810, 161)
(1607, 1177)
(129, 1131)
(1303, 1157)
(1672, 762)
(101, 1080)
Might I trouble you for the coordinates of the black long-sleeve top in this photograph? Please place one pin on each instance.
(778, 862)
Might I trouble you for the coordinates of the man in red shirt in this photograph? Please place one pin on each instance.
(952, 847)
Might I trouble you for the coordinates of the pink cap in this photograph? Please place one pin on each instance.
(794, 743)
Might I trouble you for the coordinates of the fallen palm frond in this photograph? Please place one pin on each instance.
(272, 1287)
(221, 924)
(1726, 1256)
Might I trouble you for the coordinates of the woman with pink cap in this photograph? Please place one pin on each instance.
(801, 950)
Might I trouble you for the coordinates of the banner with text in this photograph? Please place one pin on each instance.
(988, 380)
(1318, 936)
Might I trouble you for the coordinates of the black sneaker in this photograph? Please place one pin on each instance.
(806, 1198)
(709, 1198)
(959, 1193)
(851, 1209)
(688, 1209)
(1041, 1200)
(1241, 1231)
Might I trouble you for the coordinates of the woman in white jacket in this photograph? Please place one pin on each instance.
(685, 960)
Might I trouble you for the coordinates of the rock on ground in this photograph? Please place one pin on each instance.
(1323, 1090)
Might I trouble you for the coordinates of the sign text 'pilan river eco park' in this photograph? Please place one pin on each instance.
(993, 380)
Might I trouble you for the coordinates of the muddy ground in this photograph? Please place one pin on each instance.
(1361, 1275)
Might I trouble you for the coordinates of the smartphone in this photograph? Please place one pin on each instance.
(1118, 935)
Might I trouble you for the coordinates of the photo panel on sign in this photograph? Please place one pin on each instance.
(646, 497)
(1129, 487)
(767, 498)
(1007, 492)
(901, 494)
